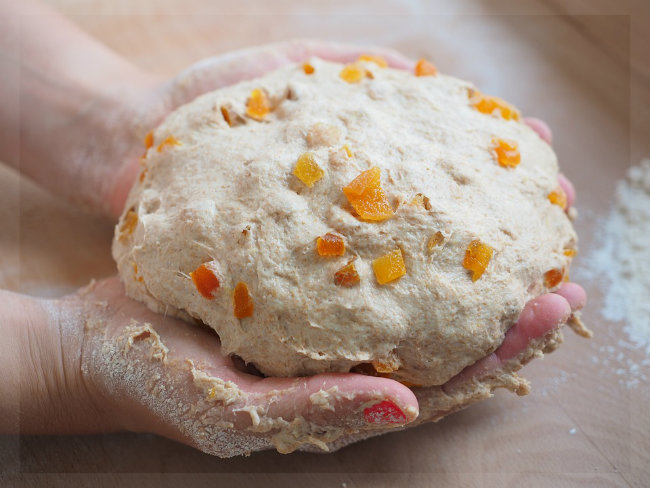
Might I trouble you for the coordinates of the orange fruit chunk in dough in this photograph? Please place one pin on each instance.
(477, 257)
(205, 281)
(553, 277)
(389, 267)
(425, 68)
(558, 197)
(258, 105)
(330, 245)
(352, 73)
(307, 169)
(347, 275)
(243, 301)
(506, 152)
(488, 105)
(308, 69)
(367, 197)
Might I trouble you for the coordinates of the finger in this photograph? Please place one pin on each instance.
(574, 294)
(568, 188)
(541, 127)
(337, 399)
(540, 316)
(227, 69)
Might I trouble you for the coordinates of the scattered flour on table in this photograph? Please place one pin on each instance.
(623, 262)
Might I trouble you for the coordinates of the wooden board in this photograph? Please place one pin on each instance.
(584, 422)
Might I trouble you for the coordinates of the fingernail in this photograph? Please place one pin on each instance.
(385, 412)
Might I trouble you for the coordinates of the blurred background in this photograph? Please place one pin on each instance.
(581, 65)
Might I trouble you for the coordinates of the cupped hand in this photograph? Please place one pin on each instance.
(169, 377)
(150, 373)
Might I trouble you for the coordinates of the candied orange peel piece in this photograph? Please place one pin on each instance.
(258, 105)
(330, 245)
(205, 280)
(477, 258)
(553, 277)
(243, 303)
(558, 197)
(425, 68)
(489, 104)
(307, 169)
(570, 253)
(128, 224)
(367, 197)
(347, 150)
(352, 73)
(506, 152)
(308, 69)
(389, 267)
(169, 141)
(378, 60)
(347, 275)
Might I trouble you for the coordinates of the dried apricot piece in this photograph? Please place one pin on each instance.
(347, 275)
(488, 105)
(352, 73)
(553, 277)
(128, 224)
(425, 68)
(558, 197)
(243, 301)
(367, 197)
(148, 140)
(477, 257)
(258, 105)
(308, 69)
(330, 245)
(205, 280)
(168, 141)
(389, 267)
(570, 252)
(506, 152)
(378, 60)
(307, 169)
(143, 174)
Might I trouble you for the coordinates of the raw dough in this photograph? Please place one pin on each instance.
(226, 195)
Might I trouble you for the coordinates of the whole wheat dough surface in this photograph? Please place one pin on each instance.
(226, 195)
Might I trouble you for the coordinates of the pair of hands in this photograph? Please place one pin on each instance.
(159, 378)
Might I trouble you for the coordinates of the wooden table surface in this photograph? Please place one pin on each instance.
(580, 65)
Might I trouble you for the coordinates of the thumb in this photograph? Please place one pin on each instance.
(320, 409)
(229, 68)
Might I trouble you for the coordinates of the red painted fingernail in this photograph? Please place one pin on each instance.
(385, 412)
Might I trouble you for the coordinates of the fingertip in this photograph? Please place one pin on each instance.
(574, 294)
(544, 313)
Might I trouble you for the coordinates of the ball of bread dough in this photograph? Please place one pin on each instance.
(446, 221)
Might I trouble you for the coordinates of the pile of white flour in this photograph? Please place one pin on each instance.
(624, 257)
